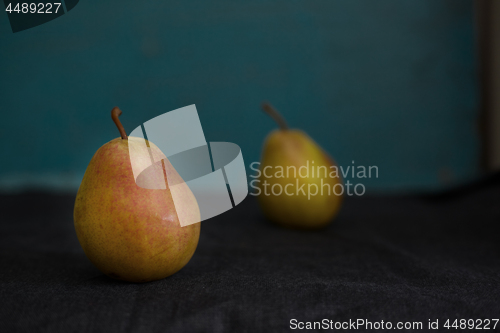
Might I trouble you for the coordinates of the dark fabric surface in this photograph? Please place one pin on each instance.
(395, 259)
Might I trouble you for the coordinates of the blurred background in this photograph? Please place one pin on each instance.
(409, 86)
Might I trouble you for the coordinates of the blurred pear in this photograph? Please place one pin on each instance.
(298, 182)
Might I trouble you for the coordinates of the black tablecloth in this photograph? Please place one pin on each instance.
(396, 259)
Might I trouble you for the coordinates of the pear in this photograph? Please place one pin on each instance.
(297, 183)
(128, 232)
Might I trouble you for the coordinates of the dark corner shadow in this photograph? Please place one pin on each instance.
(487, 182)
(28, 267)
(43, 269)
(103, 280)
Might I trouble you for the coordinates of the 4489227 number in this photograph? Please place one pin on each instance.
(38, 8)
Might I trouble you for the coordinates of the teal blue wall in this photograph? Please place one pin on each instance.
(386, 83)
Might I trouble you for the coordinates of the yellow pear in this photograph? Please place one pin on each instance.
(298, 182)
(129, 232)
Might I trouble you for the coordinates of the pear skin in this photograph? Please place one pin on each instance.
(129, 232)
(288, 150)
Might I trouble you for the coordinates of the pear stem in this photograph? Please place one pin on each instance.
(278, 118)
(115, 113)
